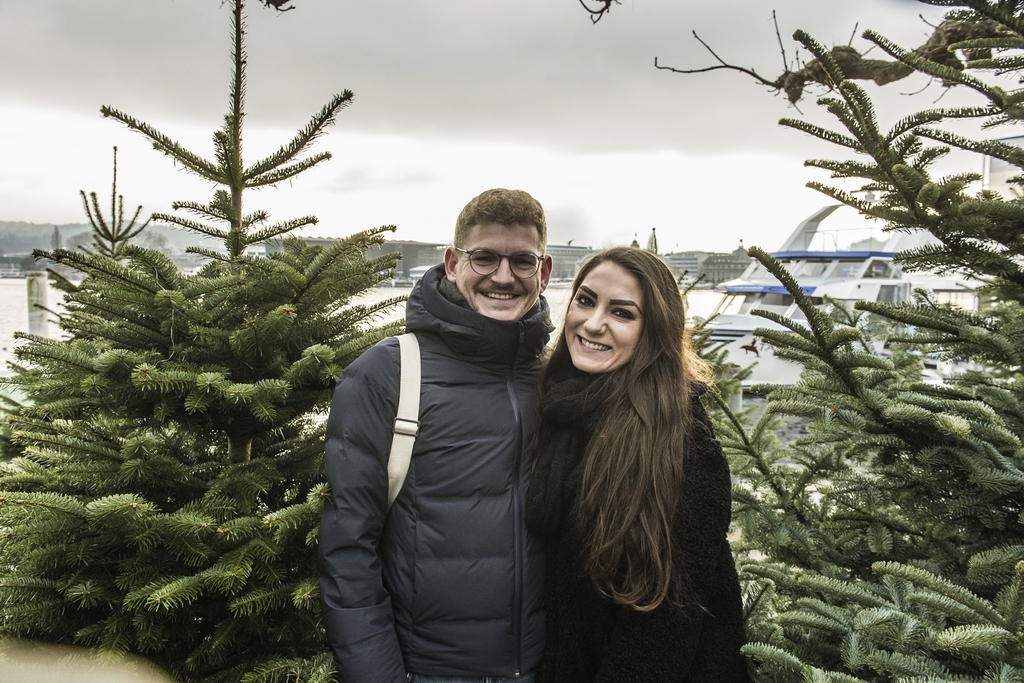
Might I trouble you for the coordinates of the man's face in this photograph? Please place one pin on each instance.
(502, 295)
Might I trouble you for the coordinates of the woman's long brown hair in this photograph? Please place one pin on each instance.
(634, 464)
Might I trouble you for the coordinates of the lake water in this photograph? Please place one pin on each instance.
(14, 308)
(14, 314)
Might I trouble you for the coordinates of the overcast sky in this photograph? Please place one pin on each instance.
(451, 97)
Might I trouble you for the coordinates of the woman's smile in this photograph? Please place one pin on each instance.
(593, 345)
(605, 319)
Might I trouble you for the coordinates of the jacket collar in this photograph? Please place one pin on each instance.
(473, 336)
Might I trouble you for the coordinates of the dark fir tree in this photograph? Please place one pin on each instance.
(887, 544)
(168, 494)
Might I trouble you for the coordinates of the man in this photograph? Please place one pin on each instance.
(449, 583)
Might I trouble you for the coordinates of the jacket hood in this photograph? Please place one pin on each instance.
(469, 334)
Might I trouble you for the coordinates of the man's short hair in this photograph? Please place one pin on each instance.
(506, 207)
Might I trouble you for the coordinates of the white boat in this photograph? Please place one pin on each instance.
(862, 271)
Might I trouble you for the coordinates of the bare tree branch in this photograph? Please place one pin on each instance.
(853, 63)
(721, 65)
(604, 6)
(778, 36)
(279, 5)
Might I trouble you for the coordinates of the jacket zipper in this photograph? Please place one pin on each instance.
(517, 598)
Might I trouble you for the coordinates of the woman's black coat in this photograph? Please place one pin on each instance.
(591, 639)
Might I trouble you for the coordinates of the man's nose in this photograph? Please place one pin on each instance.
(504, 272)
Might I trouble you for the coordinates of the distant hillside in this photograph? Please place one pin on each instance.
(20, 238)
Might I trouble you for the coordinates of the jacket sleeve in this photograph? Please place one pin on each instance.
(662, 644)
(357, 610)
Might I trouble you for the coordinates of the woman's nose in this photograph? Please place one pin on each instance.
(594, 322)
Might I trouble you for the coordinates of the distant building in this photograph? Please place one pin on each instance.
(689, 262)
(567, 259)
(417, 272)
(718, 268)
(414, 255)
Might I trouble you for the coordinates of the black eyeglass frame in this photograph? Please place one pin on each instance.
(470, 253)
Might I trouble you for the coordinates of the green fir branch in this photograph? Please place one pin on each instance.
(277, 175)
(195, 226)
(304, 138)
(168, 147)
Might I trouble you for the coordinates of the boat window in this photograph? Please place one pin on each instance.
(879, 268)
(965, 300)
(723, 304)
(791, 265)
(750, 301)
(759, 272)
(893, 294)
(776, 300)
(798, 314)
(736, 304)
(811, 269)
(848, 268)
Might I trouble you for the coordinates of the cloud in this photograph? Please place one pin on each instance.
(534, 71)
(368, 178)
(568, 223)
(451, 97)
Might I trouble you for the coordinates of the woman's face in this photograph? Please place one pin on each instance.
(605, 319)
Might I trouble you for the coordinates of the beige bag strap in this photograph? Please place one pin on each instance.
(407, 421)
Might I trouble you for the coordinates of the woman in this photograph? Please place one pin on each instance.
(631, 490)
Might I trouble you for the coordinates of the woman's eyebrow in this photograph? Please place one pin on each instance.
(614, 302)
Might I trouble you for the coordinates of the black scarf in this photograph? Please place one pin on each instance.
(449, 290)
(568, 417)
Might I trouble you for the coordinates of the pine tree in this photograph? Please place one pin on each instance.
(111, 235)
(888, 543)
(652, 242)
(169, 487)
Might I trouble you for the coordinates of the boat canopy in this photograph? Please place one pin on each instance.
(754, 288)
(831, 255)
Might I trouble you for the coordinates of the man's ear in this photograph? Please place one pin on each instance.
(545, 273)
(451, 260)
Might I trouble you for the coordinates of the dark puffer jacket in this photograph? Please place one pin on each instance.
(592, 640)
(452, 583)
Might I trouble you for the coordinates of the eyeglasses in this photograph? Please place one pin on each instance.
(485, 262)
